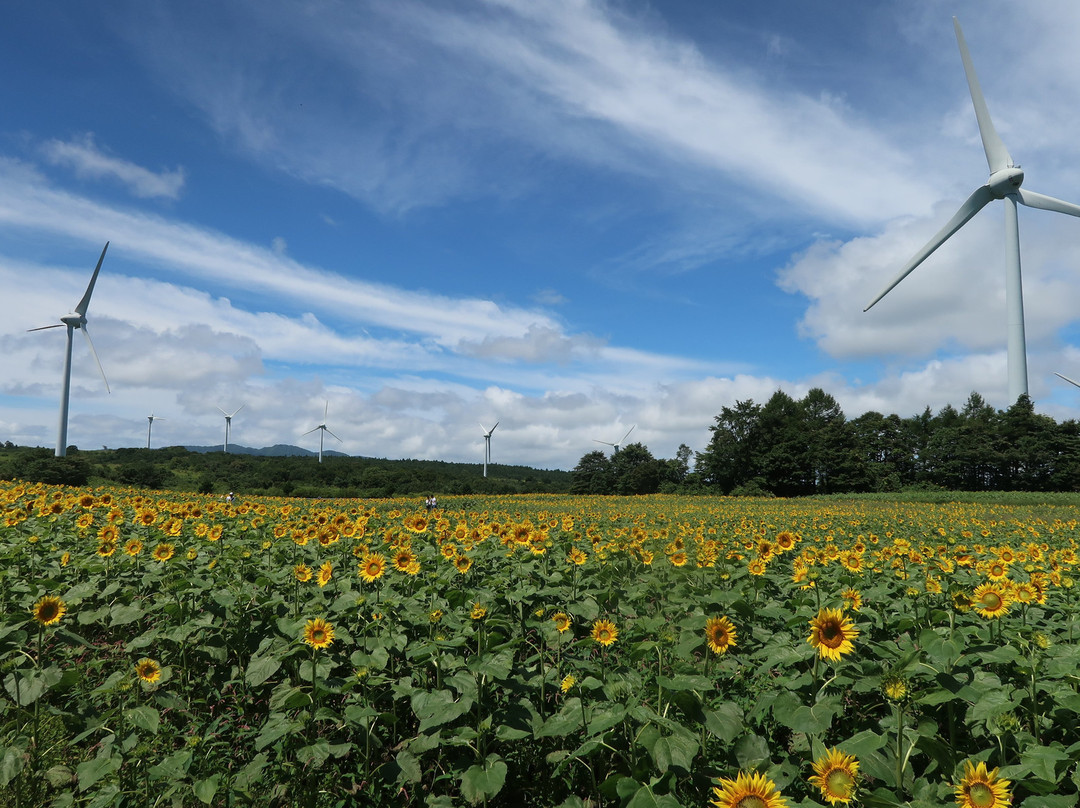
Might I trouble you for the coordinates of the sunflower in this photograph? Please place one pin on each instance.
(318, 633)
(894, 687)
(479, 611)
(106, 549)
(568, 682)
(163, 552)
(302, 573)
(463, 563)
(148, 670)
(980, 788)
(561, 621)
(831, 634)
(719, 634)
(604, 632)
(133, 547)
(834, 776)
(678, 558)
(852, 599)
(49, 610)
(747, 791)
(577, 557)
(403, 558)
(990, 600)
(756, 567)
(326, 572)
(372, 567)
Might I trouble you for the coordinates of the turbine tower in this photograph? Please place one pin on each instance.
(75, 320)
(323, 429)
(151, 418)
(1004, 183)
(615, 446)
(487, 445)
(228, 423)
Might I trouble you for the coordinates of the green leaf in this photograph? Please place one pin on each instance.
(144, 717)
(122, 614)
(484, 780)
(11, 764)
(251, 773)
(91, 771)
(314, 755)
(567, 720)
(674, 750)
(409, 765)
(260, 669)
(206, 789)
(438, 708)
(751, 751)
(725, 722)
(174, 767)
(26, 687)
(991, 703)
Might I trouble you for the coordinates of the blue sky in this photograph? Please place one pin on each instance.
(569, 217)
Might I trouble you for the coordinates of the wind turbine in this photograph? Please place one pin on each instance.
(151, 418)
(1004, 183)
(75, 320)
(323, 429)
(618, 443)
(228, 423)
(1066, 378)
(487, 445)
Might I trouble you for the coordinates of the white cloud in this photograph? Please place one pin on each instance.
(89, 162)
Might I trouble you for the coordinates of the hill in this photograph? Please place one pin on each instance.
(268, 473)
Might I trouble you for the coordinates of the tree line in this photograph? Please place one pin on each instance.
(788, 447)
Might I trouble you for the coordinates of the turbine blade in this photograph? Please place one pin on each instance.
(624, 437)
(976, 202)
(81, 308)
(42, 328)
(1044, 202)
(90, 342)
(604, 442)
(484, 428)
(997, 156)
(339, 439)
(316, 429)
(223, 412)
(493, 428)
(1066, 378)
(237, 410)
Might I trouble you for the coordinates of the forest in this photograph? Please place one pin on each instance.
(787, 447)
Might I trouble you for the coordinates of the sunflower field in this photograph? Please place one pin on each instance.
(175, 650)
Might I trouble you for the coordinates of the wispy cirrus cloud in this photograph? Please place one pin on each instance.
(88, 161)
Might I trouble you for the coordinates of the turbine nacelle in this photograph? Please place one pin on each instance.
(75, 320)
(1005, 181)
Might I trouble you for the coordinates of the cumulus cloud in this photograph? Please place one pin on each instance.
(83, 156)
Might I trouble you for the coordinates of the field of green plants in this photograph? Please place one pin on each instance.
(536, 651)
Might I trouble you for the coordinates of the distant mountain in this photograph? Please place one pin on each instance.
(277, 450)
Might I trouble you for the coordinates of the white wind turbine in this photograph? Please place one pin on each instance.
(151, 418)
(1066, 378)
(487, 445)
(228, 423)
(615, 446)
(323, 429)
(1004, 183)
(75, 320)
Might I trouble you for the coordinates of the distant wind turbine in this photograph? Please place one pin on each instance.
(487, 445)
(228, 423)
(151, 418)
(75, 320)
(1004, 183)
(615, 446)
(323, 429)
